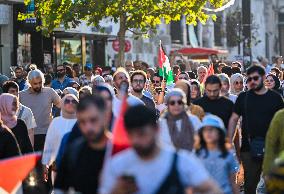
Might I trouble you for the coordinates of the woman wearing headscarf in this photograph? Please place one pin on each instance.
(58, 128)
(273, 82)
(237, 83)
(9, 105)
(8, 144)
(178, 128)
(195, 90)
(196, 110)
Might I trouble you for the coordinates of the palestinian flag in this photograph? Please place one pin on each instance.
(164, 66)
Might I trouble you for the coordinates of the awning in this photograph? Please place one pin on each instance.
(199, 51)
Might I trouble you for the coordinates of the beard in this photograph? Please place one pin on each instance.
(60, 75)
(138, 90)
(94, 137)
(37, 90)
(259, 87)
(145, 151)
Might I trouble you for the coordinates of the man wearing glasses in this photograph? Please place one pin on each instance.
(138, 82)
(257, 108)
(62, 81)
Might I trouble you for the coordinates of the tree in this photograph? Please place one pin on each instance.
(137, 16)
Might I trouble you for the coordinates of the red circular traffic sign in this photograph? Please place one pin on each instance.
(115, 45)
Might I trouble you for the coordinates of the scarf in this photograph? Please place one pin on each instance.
(8, 116)
(182, 139)
(64, 113)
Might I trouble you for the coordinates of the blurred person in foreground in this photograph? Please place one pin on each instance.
(83, 159)
(149, 168)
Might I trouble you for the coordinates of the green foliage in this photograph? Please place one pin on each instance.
(137, 14)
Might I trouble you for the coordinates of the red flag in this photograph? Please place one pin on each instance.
(210, 71)
(14, 170)
(120, 139)
(161, 56)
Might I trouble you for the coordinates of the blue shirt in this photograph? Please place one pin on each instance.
(22, 84)
(220, 168)
(56, 84)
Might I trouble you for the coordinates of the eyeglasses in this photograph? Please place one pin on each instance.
(68, 101)
(138, 81)
(155, 81)
(173, 102)
(254, 78)
(238, 83)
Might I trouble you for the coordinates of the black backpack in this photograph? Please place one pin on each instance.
(172, 183)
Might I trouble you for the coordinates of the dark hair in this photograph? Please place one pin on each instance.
(213, 79)
(139, 116)
(158, 75)
(9, 84)
(221, 144)
(176, 67)
(90, 100)
(138, 72)
(238, 64)
(256, 69)
(19, 68)
(236, 70)
(278, 72)
(182, 66)
(75, 65)
(183, 72)
(276, 80)
(191, 75)
(48, 79)
(227, 70)
(69, 72)
(145, 64)
(65, 64)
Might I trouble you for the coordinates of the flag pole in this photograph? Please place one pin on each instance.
(161, 49)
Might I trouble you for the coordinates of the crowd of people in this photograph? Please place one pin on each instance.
(207, 132)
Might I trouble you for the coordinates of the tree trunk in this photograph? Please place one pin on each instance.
(121, 39)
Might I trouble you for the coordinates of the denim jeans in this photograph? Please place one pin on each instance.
(253, 169)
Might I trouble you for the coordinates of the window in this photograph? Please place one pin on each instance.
(71, 51)
(24, 49)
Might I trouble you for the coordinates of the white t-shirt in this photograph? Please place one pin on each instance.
(164, 135)
(131, 100)
(27, 116)
(58, 127)
(149, 175)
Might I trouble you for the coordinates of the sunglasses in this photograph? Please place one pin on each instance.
(68, 101)
(238, 83)
(254, 78)
(155, 82)
(173, 102)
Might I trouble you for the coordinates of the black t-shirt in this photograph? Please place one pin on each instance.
(221, 107)
(8, 144)
(149, 103)
(22, 136)
(257, 112)
(80, 168)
